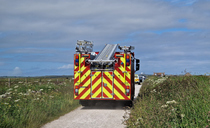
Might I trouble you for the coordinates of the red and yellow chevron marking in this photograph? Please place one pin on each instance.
(107, 85)
(82, 79)
(122, 78)
(102, 84)
(96, 85)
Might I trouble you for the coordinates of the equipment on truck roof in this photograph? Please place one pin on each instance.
(84, 46)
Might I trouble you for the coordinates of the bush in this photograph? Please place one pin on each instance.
(31, 104)
(177, 101)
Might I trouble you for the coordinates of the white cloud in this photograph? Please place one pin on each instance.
(66, 66)
(17, 71)
(46, 31)
(45, 24)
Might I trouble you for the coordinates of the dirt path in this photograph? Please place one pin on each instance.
(100, 116)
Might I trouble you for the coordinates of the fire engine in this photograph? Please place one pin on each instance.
(104, 75)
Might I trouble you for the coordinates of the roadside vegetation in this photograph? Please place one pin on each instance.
(174, 101)
(33, 102)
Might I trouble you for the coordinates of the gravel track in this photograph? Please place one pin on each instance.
(100, 116)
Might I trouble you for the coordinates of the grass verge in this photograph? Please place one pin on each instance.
(177, 101)
(35, 102)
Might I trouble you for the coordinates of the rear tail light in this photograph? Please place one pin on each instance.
(76, 90)
(77, 60)
(77, 57)
(127, 60)
(127, 90)
(127, 57)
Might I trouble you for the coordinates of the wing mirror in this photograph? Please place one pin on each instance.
(137, 64)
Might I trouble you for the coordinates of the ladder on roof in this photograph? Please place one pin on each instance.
(106, 54)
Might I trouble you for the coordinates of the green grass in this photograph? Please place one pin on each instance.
(34, 102)
(177, 101)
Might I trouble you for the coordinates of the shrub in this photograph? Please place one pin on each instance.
(178, 101)
(32, 104)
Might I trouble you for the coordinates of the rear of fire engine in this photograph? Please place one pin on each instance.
(104, 75)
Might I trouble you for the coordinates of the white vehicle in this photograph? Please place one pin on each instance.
(137, 79)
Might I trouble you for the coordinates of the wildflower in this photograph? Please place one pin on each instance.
(182, 115)
(6, 103)
(20, 93)
(29, 90)
(174, 109)
(16, 86)
(41, 89)
(49, 87)
(10, 89)
(171, 102)
(139, 119)
(33, 91)
(51, 96)
(25, 94)
(136, 123)
(7, 93)
(153, 90)
(2, 96)
(20, 82)
(164, 106)
(17, 100)
(37, 98)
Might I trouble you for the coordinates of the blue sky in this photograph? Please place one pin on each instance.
(38, 38)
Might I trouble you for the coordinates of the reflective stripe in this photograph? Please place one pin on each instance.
(107, 84)
(96, 85)
(82, 79)
(122, 79)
